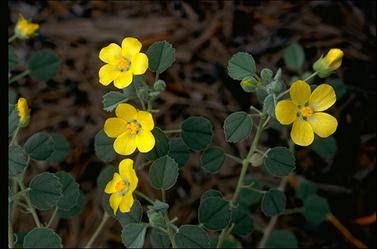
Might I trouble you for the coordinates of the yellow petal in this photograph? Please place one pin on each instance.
(126, 112)
(114, 127)
(126, 203)
(334, 58)
(286, 112)
(128, 173)
(146, 120)
(107, 74)
(130, 47)
(302, 133)
(322, 98)
(323, 124)
(145, 141)
(125, 144)
(114, 201)
(111, 54)
(110, 186)
(139, 63)
(123, 80)
(300, 92)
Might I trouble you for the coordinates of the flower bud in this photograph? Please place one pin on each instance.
(25, 29)
(324, 66)
(274, 87)
(159, 85)
(256, 160)
(23, 112)
(249, 84)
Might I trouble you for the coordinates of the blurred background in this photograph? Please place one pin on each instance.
(205, 34)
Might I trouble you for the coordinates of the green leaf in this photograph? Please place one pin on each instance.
(75, 210)
(237, 127)
(112, 99)
(105, 176)
(39, 146)
(103, 146)
(212, 159)
(325, 147)
(211, 193)
(161, 147)
(261, 95)
(161, 56)
(214, 213)
(196, 133)
(179, 151)
(241, 65)
(163, 173)
(12, 58)
(227, 243)
(191, 236)
(243, 222)
(134, 216)
(60, 148)
(43, 65)
(339, 87)
(279, 161)
(159, 240)
(248, 197)
(269, 105)
(273, 203)
(156, 218)
(305, 188)
(294, 57)
(42, 238)
(266, 75)
(159, 205)
(71, 191)
(133, 235)
(17, 161)
(282, 239)
(45, 190)
(315, 209)
(13, 119)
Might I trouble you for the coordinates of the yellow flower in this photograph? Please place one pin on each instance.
(132, 129)
(122, 186)
(122, 63)
(324, 66)
(24, 28)
(304, 110)
(23, 112)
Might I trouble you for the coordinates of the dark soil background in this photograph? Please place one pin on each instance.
(205, 35)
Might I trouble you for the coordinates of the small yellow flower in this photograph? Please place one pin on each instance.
(324, 66)
(23, 112)
(132, 129)
(122, 63)
(304, 110)
(25, 29)
(122, 186)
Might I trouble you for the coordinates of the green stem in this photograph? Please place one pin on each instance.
(144, 196)
(14, 137)
(293, 211)
(19, 194)
(163, 195)
(237, 159)
(19, 76)
(140, 100)
(310, 76)
(172, 131)
(52, 217)
(170, 233)
(256, 110)
(105, 217)
(28, 202)
(12, 38)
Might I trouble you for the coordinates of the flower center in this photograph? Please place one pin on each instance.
(120, 186)
(133, 127)
(123, 63)
(306, 111)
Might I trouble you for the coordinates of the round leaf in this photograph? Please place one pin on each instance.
(163, 173)
(159, 240)
(161, 147)
(60, 149)
(282, 239)
(213, 159)
(112, 99)
(241, 64)
(45, 190)
(243, 222)
(17, 161)
(197, 132)
(161, 56)
(248, 197)
(43, 65)
(133, 235)
(214, 213)
(325, 147)
(75, 210)
(42, 238)
(315, 209)
(39, 146)
(103, 146)
(13, 119)
(179, 151)
(294, 57)
(237, 127)
(12, 58)
(134, 216)
(105, 176)
(305, 188)
(71, 191)
(190, 236)
(279, 161)
(273, 203)
(211, 193)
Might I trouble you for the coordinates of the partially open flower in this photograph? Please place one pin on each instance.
(24, 28)
(23, 112)
(324, 66)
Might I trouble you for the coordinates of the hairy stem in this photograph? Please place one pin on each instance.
(19, 76)
(28, 202)
(144, 196)
(105, 217)
(52, 217)
(12, 38)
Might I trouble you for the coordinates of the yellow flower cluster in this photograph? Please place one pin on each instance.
(24, 28)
